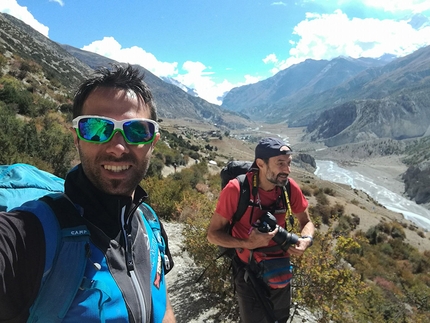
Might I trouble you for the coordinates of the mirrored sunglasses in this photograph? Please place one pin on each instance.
(99, 130)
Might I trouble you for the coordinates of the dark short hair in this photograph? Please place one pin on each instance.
(119, 76)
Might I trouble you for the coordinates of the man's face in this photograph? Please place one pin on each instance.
(115, 167)
(278, 169)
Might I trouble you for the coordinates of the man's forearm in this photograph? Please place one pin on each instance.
(169, 316)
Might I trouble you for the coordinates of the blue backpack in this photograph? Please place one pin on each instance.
(68, 254)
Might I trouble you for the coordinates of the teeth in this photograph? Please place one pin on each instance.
(116, 169)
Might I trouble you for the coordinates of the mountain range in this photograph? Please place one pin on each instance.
(344, 100)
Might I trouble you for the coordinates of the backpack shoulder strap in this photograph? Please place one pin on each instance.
(243, 202)
(67, 251)
(160, 234)
(152, 219)
(158, 287)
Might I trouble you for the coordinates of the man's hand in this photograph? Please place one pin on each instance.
(257, 239)
(299, 248)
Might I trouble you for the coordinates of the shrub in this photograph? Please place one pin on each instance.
(344, 226)
(355, 202)
(307, 191)
(165, 194)
(196, 210)
(322, 198)
(155, 167)
(329, 191)
(325, 212)
(397, 231)
(338, 209)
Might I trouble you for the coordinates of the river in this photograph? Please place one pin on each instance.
(329, 170)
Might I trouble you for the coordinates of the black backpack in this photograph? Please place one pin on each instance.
(238, 170)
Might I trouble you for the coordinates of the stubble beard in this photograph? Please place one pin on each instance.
(92, 170)
(274, 179)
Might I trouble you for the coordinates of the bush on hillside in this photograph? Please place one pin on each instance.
(307, 190)
(166, 193)
(42, 142)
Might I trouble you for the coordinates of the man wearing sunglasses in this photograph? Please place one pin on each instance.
(114, 131)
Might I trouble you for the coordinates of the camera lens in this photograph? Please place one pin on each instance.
(283, 238)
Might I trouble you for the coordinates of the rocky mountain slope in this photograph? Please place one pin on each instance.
(18, 40)
(68, 66)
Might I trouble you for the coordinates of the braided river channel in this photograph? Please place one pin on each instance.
(330, 171)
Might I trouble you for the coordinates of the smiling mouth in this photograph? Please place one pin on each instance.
(116, 169)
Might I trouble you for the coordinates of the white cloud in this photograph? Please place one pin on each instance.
(326, 36)
(14, 9)
(271, 58)
(249, 79)
(279, 3)
(60, 2)
(197, 77)
(110, 48)
(413, 6)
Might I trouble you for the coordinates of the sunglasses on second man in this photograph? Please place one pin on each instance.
(99, 130)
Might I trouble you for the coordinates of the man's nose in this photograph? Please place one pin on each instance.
(117, 145)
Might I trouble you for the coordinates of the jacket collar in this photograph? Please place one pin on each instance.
(101, 209)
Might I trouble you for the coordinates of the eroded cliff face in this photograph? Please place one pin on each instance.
(305, 161)
(417, 182)
(400, 117)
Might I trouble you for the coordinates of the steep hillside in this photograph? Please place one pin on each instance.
(18, 40)
(68, 66)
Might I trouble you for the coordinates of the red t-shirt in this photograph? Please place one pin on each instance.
(228, 201)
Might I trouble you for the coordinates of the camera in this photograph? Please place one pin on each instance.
(283, 238)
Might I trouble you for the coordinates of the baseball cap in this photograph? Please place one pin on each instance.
(270, 147)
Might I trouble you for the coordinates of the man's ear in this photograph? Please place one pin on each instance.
(259, 162)
(75, 137)
(157, 136)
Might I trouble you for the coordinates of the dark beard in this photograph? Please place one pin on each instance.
(276, 181)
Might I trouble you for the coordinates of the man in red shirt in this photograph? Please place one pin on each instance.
(262, 299)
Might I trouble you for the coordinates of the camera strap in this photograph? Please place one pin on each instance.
(289, 214)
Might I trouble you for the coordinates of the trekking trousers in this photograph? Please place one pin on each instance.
(251, 308)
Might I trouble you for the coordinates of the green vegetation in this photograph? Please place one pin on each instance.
(33, 131)
(42, 141)
(417, 151)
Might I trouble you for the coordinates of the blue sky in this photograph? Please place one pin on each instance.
(215, 45)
